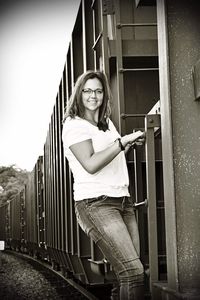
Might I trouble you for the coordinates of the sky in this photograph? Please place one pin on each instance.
(34, 40)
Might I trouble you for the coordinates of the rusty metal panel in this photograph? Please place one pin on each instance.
(184, 43)
(108, 7)
(196, 80)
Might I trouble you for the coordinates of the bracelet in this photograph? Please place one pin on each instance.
(120, 144)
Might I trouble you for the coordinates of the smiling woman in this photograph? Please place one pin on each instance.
(95, 151)
(92, 98)
(32, 56)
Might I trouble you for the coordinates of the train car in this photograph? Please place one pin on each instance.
(150, 52)
(34, 212)
(12, 222)
(102, 39)
(4, 223)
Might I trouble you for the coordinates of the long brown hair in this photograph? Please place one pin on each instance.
(75, 105)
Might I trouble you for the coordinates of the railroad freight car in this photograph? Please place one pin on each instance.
(34, 233)
(150, 53)
(4, 223)
(12, 222)
(102, 39)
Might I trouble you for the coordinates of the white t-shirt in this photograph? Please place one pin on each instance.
(112, 180)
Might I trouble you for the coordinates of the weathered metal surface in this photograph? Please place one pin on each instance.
(108, 7)
(180, 118)
(184, 44)
(196, 80)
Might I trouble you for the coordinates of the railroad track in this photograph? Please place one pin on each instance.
(66, 288)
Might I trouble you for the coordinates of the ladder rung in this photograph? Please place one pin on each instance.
(124, 116)
(137, 69)
(120, 25)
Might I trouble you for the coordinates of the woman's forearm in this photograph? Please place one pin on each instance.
(92, 161)
(99, 160)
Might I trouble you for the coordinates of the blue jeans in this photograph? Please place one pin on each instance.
(111, 223)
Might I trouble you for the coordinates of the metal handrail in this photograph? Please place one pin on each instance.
(138, 69)
(139, 204)
(124, 116)
(120, 25)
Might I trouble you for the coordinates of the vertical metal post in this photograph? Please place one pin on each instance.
(37, 202)
(151, 121)
(94, 39)
(138, 153)
(45, 193)
(65, 179)
(61, 181)
(50, 187)
(55, 211)
(51, 236)
(73, 246)
(57, 173)
(84, 44)
(167, 147)
(46, 189)
(120, 75)
(104, 45)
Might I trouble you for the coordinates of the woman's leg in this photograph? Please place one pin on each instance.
(128, 215)
(132, 226)
(102, 220)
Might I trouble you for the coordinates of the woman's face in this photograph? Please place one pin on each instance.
(92, 95)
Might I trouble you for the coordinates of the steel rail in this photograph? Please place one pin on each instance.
(71, 282)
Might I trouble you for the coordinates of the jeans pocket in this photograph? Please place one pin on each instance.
(80, 207)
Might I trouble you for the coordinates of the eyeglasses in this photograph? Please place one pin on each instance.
(89, 92)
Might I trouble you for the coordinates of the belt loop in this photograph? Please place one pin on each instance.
(123, 202)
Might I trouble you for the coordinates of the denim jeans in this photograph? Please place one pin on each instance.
(111, 223)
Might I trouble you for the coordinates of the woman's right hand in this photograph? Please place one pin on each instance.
(131, 138)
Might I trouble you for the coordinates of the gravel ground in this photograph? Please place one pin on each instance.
(19, 280)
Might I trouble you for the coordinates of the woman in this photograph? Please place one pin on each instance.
(95, 152)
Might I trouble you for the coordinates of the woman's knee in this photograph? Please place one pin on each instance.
(139, 268)
(133, 271)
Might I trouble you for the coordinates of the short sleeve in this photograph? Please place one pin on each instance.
(113, 128)
(74, 131)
